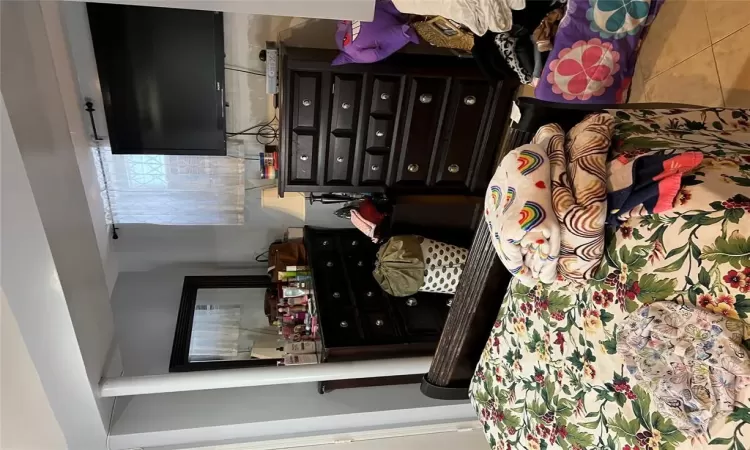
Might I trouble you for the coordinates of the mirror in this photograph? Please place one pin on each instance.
(231, 325)
(224, 322)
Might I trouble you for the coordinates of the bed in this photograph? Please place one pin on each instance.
(549, 375)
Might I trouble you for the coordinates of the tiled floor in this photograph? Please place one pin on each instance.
(696, 52)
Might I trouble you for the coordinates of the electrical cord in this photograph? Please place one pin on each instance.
(251, 72)
(262, 130)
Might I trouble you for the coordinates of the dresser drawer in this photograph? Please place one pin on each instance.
(361, 264)
(385, 92)
(340, 155)
(306, 99)
(374, 168)
(345, 104)
(462, 135)
(356, 243)
(333, 292)
(320, 242)
(379, 134)
(423, 314)
(420, 130)
(369, 295)
(327, 264)
(340, 327)
(378, 327)
(303, 158)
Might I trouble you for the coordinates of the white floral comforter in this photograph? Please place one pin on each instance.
(550, 377)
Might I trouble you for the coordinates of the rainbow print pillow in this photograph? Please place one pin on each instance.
(518, 212)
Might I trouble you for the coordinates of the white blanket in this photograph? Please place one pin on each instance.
(479, 16)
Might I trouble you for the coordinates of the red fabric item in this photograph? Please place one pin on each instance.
(670, 180)
(368, 212)
(364, 225)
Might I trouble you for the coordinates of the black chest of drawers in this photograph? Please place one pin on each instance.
(412, 124)
(358, 320)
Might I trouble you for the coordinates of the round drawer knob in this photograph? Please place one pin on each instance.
(346, 105)
(336, 295)
(325, 242)
(379, 323)
(453, 168)
(379, 133)
(339, 159)
(425, 98)
(329, 264)
(369, 293)
(375, 167)
(354, 243)
(412, 168)
(303, 157)
(306, 102)
(470, 100)
(343, 324)
(411, 301)
(360, 263)
(384, 96)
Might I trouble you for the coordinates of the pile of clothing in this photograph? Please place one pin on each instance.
(549, 201)
(522, 51)
(573, 51)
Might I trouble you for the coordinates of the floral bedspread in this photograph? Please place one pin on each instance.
(549, 376)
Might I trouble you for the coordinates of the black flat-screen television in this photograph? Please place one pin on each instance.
(161, 72)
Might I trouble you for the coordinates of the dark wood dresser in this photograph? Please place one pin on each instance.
(411, 124)
(358, 320)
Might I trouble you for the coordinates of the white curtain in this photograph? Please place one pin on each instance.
(171, 190)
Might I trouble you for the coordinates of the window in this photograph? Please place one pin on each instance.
(171, 189)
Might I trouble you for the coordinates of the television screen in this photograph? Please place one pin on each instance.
(161, 72)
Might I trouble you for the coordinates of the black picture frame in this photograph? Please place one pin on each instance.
(179, 361)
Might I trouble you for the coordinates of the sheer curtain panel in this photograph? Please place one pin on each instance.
(171, 189)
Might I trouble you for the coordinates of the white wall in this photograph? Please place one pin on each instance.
(52, 271)
(28, 422)
(72, 23)
(323, 9)
(31, 283)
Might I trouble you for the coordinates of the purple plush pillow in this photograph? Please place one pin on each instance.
(367, 42)
(596, 46)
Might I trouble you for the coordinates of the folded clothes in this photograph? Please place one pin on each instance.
(518, 212)
(646, 184)
(480, 16)
(488, 58)
(579, 193)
